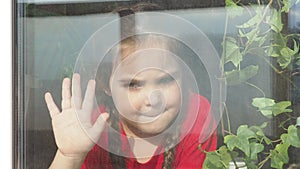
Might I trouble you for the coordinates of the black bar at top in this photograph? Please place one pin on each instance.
(86, 8)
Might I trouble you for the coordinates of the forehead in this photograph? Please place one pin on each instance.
(149, 59)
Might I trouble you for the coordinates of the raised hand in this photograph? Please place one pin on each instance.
(74, 132)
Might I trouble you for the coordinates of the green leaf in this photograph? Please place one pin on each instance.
(287, 4)
(269, 108)
(252, 21)
(258, 51)
(228, 139)
(279, 155)
(233, 9)
(226, 155)
(264, 39)
(285, 57)
(255, 148)
(287, 54)
(264, 125)
(249, 35)
(242, 143)
(274, 20)
(245, 132)
(212, 160)
(218, 159)
(261, 103)
(286, 51)
(235, 77)
(251, 164)
(241, 140)
(279, 108)
(292, 136)
(273, 50)
(232, 52)
(260, 134)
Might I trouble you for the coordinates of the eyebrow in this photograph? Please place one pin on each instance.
(131, 80)
(174, 75)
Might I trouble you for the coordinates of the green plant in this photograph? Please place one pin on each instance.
(261, 36)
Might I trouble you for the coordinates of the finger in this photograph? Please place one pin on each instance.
(76, 91)
(66, 94)
(96, 130)
(53, 109)
(88, 101)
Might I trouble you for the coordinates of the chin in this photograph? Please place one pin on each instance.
(146, 130)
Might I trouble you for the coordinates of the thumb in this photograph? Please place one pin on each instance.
(97, 128)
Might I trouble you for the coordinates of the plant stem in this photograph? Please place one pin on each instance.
(228, 132)
(276, 141)
(228, 119)
(250, 84)
(222, 64)
(262, 163)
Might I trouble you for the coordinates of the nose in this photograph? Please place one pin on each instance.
(154, 103)
(155, 98)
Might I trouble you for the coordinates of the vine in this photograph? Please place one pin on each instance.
(261, 36)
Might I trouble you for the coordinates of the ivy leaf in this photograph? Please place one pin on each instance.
(287, 54)
(241, 140)
(235, 77)
(241, 143)
(233, 9)
(292, 137)
(226, 156)
(251, 164)
(252, 21)
(261, 103)
(228, 141)
(269, 108)
(287, 4)
(285, 57)
(212, 160)
(279, 155)
(232, 51)
(255, 148)
(244, 132)
(218, 159)
(273, 50)
(258, 51)
(275, 21)
(249, 35)
(279, 108)
(260, 134)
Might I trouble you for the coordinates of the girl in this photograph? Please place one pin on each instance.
(150, 117)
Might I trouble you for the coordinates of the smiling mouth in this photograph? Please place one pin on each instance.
(146, 117)
(153, 112)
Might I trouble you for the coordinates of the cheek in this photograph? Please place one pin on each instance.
(127, 101)
(173, 96)
(134, 100)
(120, 98)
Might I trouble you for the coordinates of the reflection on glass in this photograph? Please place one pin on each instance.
(51, 46)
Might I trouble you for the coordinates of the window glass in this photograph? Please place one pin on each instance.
(245, 62)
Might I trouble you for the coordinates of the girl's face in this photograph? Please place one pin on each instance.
(146, 89)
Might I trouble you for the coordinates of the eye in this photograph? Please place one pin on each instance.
(166, 80)
(133, 85)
